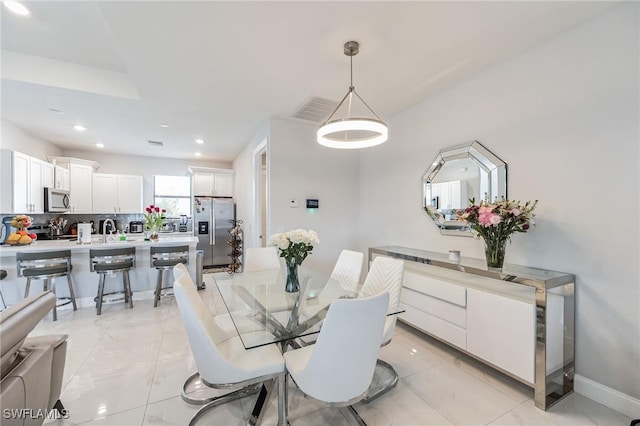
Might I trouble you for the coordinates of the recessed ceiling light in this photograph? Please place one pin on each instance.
(79, 128)
(199, 141)
(17, 8)
(197, 154)
(100, 145)
(164, 125)
(57, 111)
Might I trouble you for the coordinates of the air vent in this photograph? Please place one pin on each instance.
(315, 109)
(156, 143)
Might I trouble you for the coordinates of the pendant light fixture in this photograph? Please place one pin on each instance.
(352, 132)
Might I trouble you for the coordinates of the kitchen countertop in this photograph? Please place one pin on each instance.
(135, 240)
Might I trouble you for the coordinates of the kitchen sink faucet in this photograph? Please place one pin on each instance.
(104, 229)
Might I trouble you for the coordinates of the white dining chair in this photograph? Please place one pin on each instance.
(347, 269)
(385, 275)
(337, 370)
(229, 328)
(261, 259)
(224, 363)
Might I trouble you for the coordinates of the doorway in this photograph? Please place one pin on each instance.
(261, 186)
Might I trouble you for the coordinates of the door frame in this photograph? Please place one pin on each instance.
(261, 209)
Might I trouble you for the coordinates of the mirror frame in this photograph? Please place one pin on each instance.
(494, 168)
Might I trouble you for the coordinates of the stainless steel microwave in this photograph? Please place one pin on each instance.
(56, 200)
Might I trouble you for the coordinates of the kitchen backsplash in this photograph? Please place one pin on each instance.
(121, 221)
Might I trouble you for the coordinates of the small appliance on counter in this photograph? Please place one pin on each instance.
(136, 227)
(84, 233)
(6, 229)
(183, 223)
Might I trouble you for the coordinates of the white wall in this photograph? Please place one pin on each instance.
(299, 168)
(15, 138)
(564, 116)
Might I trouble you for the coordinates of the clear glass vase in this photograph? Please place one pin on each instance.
(494, 251)
(292, 285)
(153, 233)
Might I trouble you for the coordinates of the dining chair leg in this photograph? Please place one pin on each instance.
(72, 294)
(383, 388)
(356, 416)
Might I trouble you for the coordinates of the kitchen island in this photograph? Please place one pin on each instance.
(85, 282)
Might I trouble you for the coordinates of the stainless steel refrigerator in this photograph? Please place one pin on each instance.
(211, 225)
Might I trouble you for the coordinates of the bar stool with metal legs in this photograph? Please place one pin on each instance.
(113, 261)
(47, 265)
(164, 258)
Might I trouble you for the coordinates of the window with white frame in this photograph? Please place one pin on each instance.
(172, 193)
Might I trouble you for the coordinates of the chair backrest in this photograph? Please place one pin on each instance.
(168, 255)
(120, 255)
(204, 335)
(43, 259)
(386, 274)
(261, 259)
(180, 270)
(343, 361)
(348, 269)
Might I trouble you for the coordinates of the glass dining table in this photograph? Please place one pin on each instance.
(264, 313)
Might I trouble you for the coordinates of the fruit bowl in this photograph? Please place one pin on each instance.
(19, 238)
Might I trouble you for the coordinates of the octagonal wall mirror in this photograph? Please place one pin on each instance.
(457, 174)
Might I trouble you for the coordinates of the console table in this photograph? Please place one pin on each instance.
(519, 320)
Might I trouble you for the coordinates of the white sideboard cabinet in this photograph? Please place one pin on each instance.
(519, 321)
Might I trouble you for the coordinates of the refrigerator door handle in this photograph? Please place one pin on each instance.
(212, 228)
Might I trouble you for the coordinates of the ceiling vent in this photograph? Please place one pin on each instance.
(156, 143)
(315, 109)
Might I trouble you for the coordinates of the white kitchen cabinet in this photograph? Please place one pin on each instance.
(213, 183)
(25, 178)
(519, 320)
(117, 193)
(61, 178)
(48, 175)
(80, 187)
(451, 195)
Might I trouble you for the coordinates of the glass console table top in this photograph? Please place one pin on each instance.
(533, 277)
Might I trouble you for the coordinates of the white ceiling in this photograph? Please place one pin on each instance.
(217, 70)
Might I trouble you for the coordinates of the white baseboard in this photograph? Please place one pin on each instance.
(623, 403)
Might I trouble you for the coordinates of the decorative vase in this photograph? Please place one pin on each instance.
(153, 234)
(494, 251)
(292, 285)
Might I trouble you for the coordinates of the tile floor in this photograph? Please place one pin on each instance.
(126, 367)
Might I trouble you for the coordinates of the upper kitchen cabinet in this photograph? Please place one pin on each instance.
(61, 178)
(117, 193)
(80, 182)
(212, 182)
(28, 177)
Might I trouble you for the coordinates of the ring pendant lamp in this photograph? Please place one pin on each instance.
(352, 132)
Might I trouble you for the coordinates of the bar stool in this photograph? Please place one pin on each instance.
(113, 261)
(164, 258)
(47, 265)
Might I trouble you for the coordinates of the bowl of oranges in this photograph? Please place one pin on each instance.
(21, 236)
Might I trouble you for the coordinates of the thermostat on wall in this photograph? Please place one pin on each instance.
(312, 203)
